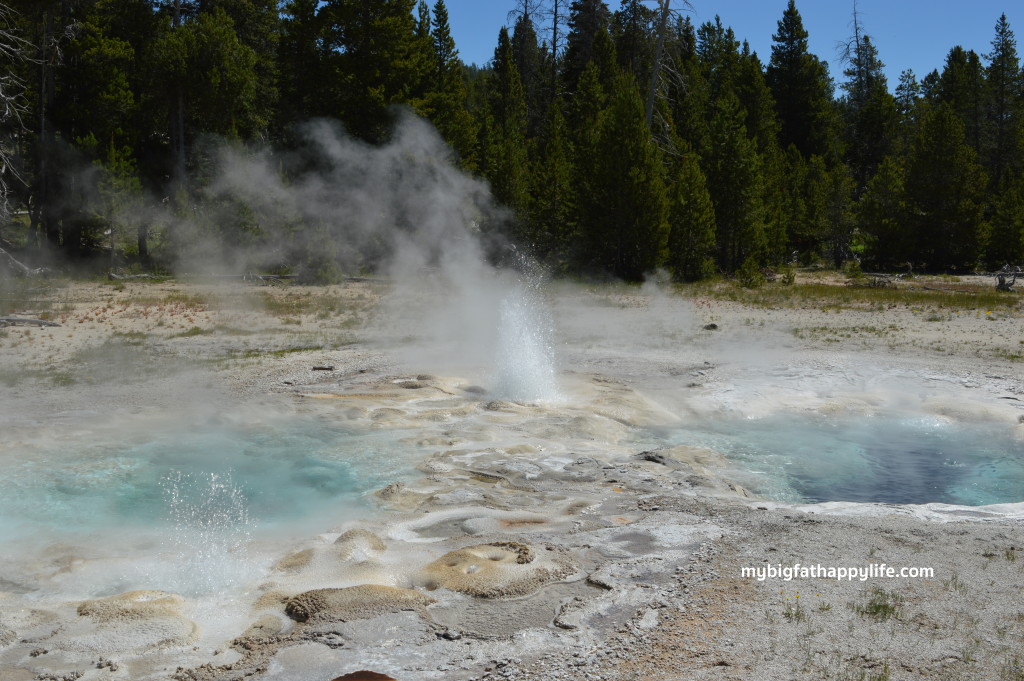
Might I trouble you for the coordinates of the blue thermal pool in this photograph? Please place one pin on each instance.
(255, 476)
(896, 460)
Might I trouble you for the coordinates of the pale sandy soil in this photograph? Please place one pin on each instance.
(635, 561)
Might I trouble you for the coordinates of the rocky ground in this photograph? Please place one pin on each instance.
(540, 541)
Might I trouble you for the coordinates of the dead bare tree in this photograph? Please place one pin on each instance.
(13, 106)
(1007, 277)
(665, 11)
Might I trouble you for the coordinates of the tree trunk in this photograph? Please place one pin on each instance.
(652, 88)
(554, 50)
(44, 218)
(179, 115)
(143, 239)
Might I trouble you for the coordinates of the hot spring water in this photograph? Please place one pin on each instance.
(896, 460)
(179, 509)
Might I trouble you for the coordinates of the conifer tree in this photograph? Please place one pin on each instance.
(507, 158)
(1006, 244)
(688, 93)
(733, 172)
(584, 112)
(530, 63)
(718, 52)
(961, 86)
(376, 59)
(1004, 109)
(552, 205)
(802, 89)
(762, 126)
(792, 206)
(624, 218)
(691, 245)
(870, 111)
(840, 219)
(587, 18)
(883, 218)
(257, 24)
(945, 193)
(445, 101)
(631, 28)
(302, 64)
(217, 74)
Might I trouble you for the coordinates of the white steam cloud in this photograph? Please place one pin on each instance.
(405, 211)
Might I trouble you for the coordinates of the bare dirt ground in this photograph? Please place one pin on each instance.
(629, 566)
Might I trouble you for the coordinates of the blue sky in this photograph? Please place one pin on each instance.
(914, 34)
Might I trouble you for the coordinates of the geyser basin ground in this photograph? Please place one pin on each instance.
(656, 544)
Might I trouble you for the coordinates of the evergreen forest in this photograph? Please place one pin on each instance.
(621, 140)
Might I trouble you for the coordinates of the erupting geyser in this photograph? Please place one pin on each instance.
(525, 350)
(212, 528)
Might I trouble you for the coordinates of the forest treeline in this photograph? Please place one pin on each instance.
(621, 140)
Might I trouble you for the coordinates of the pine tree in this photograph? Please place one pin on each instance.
(376, 58)
(216, 74)
(802, 88)
(733, 172)
(257, 24)
(691, 244)
(587, 18)
(840, 219)
(507, 158)
(762, 126)
(530, 63)
(871, 113)
(584, 113)
(908, 93)
(688, 93)
(552, 205)
(883, 218)
(95, 96)
(961, 86)
(1003, 109)
(631, 29)
(718, 52)
(624, 216)
(945, 193)
(1006, 244)
(445, 102)
(302, 64)
(755, 97)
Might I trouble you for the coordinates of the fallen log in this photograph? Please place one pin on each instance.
(948, 290)
(19, 267)
(27, 321)
(127, 277)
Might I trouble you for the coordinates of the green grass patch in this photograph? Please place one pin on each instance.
(294, 304)
(192, 301)
(30, 294)
(1013, 669)
(828, 332)
(850, 297)
(281, 352)
(131, 337)
(881, 605)
(194, 331)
